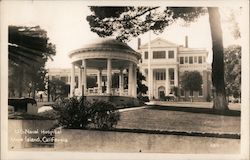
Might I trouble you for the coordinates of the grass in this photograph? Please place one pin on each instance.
(181, 119)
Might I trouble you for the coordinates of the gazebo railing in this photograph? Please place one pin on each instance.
(94, 92)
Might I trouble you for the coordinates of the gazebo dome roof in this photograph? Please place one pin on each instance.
(104, 44)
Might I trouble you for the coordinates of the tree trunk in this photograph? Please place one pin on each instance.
(20, 81)
(33, 91)
(220, 102)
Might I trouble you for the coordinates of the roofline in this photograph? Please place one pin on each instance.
(159, 38)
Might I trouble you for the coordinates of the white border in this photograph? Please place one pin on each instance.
(5, 154)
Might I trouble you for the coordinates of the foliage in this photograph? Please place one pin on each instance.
(80, 114)
(191, 81)
(143, 98)
(176, 91)
(233, 70)
(103, 114)
(141, 88)
(127, 22)
(58, 89)
(29, 49)
(233, 23)
(72, 113)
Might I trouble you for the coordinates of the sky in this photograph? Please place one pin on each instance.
(67, 27)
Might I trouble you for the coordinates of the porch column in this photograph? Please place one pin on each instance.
(176, 77)
(109, 76)
(150, 83)
(84, 66)
(72, 81)
(121, 83)
(130, 79)
(167, 82)
(99, 81)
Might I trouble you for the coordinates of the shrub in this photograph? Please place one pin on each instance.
(72, 113)
(143, 98)
(80, 114)
(208, 98)
(104, 114)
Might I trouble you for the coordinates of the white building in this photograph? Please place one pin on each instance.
(163, 64)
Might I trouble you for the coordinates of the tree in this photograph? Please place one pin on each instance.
(29, 49)
(191, 81)
(141, 88)
(127, 22)
(58, 89)
(233, 70)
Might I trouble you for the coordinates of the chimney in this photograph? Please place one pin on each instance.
(139, 43)
(186, 41)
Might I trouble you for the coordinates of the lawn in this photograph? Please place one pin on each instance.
(185, 119)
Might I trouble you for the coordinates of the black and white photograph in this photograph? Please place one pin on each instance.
(116, 80)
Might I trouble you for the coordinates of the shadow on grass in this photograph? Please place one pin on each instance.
(197, 110)
(177, 133)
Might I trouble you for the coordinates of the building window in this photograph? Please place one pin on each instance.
(181, 60)
(171, 76)
(186, 59)
(160, 75)
(146, 55)
(190, 60)
(200, 59)
(159, 54)
(170, 54)
(195, 59)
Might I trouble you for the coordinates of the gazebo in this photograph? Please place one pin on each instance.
(105, 56)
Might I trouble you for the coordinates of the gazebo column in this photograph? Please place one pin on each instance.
(72, 81)
(121, 83)
(84, 76)
(150, 79)
(99, 81)
(130, 79)
(109, 76)
(134, 91)
(80, 79)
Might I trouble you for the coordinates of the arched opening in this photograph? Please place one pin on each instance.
(161, 92)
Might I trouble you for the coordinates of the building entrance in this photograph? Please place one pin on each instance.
(161, 93)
